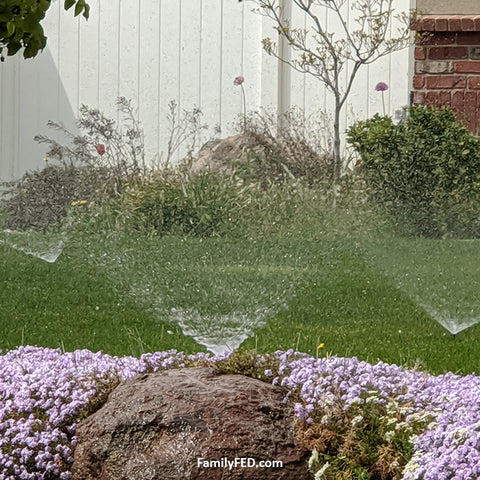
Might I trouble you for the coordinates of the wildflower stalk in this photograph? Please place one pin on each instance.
(382, 87)
(239, 82)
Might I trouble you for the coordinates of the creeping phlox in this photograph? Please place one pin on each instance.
(438, 416)
(44, 393)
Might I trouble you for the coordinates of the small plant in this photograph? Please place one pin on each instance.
(382, 87)
(170, 203)
(249, 363)
(102, 145)
(184, 129)
(95, 165)
(369, 440)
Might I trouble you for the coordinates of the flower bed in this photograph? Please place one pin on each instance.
(419, 426)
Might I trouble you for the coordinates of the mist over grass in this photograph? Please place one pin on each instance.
(128, 296)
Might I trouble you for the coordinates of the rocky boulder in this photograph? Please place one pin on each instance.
(264, 155)
(221, 154)
(190, 423)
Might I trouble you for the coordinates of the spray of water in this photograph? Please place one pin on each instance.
(219, 306)
(433, 274)
(220, 333)
(46, 247)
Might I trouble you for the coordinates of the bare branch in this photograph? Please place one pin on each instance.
(324, 54)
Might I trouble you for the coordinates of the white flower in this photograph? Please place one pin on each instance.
(357, 420)
(320, 473)
(313, 459)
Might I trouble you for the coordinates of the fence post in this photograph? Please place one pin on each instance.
(284, 70)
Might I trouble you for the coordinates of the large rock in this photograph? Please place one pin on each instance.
(164, 425)
(271, 157)
(220, 155)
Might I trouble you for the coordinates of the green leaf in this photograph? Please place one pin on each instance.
(79, 7)
(31, 50)
(10, 28)
(86, 12)
(69, 4)
(13, 48)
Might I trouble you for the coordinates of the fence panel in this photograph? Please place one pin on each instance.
(156, 51)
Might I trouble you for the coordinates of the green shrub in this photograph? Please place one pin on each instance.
(92, 167)
(424, 172)
(174, 204)
(214, 204)
(43, 198)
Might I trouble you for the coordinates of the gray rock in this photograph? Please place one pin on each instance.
(219, 155)
(165, 425)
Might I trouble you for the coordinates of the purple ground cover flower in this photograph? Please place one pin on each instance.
(44, 393)
(448, 448)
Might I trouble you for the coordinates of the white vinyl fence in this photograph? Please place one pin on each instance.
(156, 51)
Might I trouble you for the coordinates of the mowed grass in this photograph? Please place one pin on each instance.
(118, 295)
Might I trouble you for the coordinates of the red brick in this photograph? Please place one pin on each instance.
(431, 98)
(418, 98)
(470, 100)
(438, 53)
(474, 83)
(420, 53)
(446, 81)
(470, 109)
(477, 23)
(442, 38)
(428, 24)
(455, 24)
(445, 98)
(467, 67)
(458, 101)
(468, 25)
(418, 81)
(468, 38)
(441, 25)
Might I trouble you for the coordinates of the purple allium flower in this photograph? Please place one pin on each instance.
(381, 87)
(238, 81)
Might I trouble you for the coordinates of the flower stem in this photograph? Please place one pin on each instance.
(244, 109)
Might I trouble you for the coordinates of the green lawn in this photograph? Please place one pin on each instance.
(135, 294)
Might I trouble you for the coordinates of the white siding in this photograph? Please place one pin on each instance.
(155, 51)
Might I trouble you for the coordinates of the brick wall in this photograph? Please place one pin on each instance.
(447, 64)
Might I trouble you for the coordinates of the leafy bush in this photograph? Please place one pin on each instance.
(172, 203)
(424, 172)
(41, 199)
